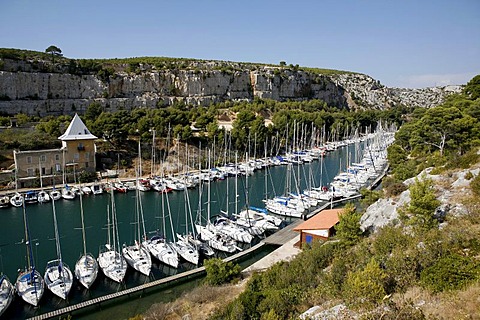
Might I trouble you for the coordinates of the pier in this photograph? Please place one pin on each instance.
(191, 274)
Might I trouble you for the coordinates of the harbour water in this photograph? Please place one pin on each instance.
(40, 217)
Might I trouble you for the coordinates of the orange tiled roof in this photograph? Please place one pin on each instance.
(323, 220)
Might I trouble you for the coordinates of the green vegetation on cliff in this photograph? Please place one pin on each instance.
(139, 64)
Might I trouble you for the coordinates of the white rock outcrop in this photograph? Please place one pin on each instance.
(450, 189)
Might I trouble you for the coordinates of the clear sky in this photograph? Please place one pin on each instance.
(402, 43)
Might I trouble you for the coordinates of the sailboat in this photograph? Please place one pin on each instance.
(58, 277)
(183, 247)
(160, 247)
(4, 201)
(7, 293)
(42, 195)
(86, 268)
(215, 239)
(136, 255)
(17, 199)
(29, 285)
(109, 259)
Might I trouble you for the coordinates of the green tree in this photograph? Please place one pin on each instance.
(423, 203)
(473, 88)
(348, 228)
(54, 51)
(93, 111)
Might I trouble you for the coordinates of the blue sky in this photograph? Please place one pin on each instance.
(401, 43)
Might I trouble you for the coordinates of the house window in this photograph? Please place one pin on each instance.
(43, 171)
(81, 147)
(30, 172)
(76, 156)
(87, 155)
(57, 167)
(29, 159)
(86, 164)
(43, 158)
(57, 157)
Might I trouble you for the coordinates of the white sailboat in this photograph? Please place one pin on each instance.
(42, 195)
(58, 277)
(216, 240)
(159, 246)
(17, 199)
(86, 268)
(29, 285)
(7, 293)
(68, 193)
(136, 254)
(109, 259)
(4, 201)
(183, 247)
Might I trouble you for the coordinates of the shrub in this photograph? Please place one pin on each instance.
(369, 196)
(450, 272)
(392, 187)
(365, 287)
(469, 175)
(220, 272)
(466, 160)
(475, 185)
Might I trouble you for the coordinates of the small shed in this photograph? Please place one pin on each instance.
(318, 227)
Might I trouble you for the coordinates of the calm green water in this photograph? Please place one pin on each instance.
(40, 216)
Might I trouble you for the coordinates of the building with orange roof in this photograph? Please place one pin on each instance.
(319, 227)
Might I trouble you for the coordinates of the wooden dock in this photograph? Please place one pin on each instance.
(284, 235)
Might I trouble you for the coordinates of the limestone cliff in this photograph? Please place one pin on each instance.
(38, 90)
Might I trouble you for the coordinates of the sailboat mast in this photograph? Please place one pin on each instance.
(236, 183)
(152, 169)
(27, 237)
(83, 226)
(55, 226)
(208, 194)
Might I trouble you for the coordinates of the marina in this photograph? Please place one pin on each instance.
(95, 207)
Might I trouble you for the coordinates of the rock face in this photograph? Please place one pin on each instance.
(40, 93)
(450, 189)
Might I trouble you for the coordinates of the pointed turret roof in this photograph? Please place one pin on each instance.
(77, 131)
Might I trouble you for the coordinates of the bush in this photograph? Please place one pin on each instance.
(450, 272)
(369, 196)
(475, 185)
(220, 272)
(87, 176)
(392, 187)
(365, 288)
(469, 175)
